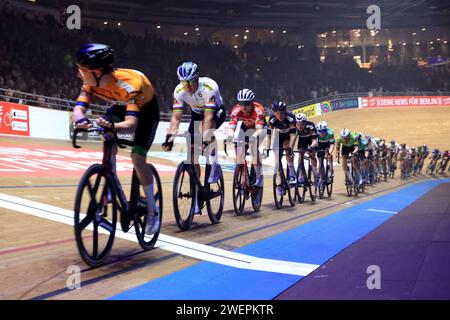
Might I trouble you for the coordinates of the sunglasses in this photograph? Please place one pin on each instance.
(245, 103)
(188, 82)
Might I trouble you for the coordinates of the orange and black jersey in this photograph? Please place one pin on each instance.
(130, 86)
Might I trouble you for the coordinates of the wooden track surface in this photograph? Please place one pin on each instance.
(35, 252)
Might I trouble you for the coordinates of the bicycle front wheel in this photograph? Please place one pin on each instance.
(215, 192)
(95, 215)
(183, 197)
(257, 192)
(238, 190)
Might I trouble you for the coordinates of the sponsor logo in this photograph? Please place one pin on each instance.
(19, 126)
(19, 114)
(341, 104)
(326, 106)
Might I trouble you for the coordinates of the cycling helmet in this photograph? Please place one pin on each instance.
(301, 117)
(345, 133)
(187, 71)
(279, 106)
(95, 56)
(322, 126)
(403, 145)
(246, 95)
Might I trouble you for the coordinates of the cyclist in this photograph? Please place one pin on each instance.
(404, 155)
(435, 156)
(376, 154)
(383, 150)
(420, 151)
(393, 154)
(426, 152)
(307, 141)
(413, 156)
(444, 162)
(202, 96)
(326, 142)
(135, 109)
(350, 146)
(252, 115)
(363, 155)
(284, 123)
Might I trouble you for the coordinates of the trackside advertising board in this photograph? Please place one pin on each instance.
(405, 101)
(14, 119)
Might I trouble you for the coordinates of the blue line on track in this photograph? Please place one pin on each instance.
(315, 242)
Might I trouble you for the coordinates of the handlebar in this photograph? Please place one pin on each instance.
(121, 143)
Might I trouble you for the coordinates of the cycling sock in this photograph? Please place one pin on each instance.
(149, 194)
(258, 170)
(291, 168)
(196, 208)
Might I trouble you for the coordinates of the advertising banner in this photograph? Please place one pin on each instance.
(342, 104)
(14, 119)
(309, 111)
(405, 101)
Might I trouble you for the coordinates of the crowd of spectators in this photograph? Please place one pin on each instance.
(37, 57)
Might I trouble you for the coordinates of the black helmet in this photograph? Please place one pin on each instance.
(95, 56)
(279, 106)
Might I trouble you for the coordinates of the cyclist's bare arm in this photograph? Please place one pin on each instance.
(208, 123)
(129, 124)
(78, 113)
(292, 139)
(175, 122)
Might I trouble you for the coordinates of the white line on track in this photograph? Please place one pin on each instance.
(384, 211)
(165, 242)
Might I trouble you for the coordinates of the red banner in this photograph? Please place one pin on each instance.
(405, 101)
(14, 119)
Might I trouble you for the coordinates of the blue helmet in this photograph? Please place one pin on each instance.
(187, 71)
(279, 106)
(95, 56)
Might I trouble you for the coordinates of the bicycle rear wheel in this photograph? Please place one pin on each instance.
(238, 190)
(139, 208)
(95, 215)
(183, 196)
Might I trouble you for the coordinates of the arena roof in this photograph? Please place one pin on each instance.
(293, 14)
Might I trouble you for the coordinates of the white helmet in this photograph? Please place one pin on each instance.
(322, 126)
(345, 133)
(246, 95)
(301, 117)
(187, 71)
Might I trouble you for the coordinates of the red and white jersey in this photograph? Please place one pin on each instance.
(254, 120)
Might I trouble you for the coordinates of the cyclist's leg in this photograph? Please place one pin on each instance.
(144, 136)
(345, 152)
(289, 158)
(212, 154)
(330, 151)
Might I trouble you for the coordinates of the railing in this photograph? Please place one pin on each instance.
(365, 94)
(30, 99)
(67, 105)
